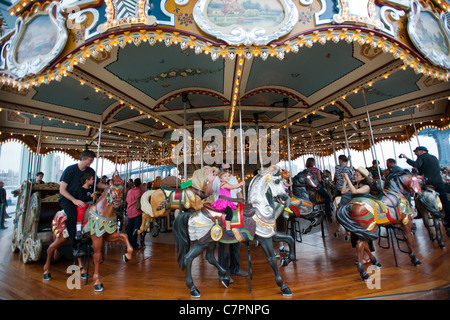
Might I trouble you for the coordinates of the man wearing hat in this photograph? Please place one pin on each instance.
(428, 166)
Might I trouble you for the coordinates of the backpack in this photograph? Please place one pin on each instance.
(138, 202)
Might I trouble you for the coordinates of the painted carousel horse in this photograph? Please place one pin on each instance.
(303, 203)
(100, 223)
(160, 202)
(364, 213)
(429, 207)
(255, 220)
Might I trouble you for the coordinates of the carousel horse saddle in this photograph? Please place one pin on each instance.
(238, 214)
(390, 200)
(384, 210)
(173, 194)
(301, 207)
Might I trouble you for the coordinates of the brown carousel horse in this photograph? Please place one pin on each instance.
(364, 213)
(100, 223)
(160, 202)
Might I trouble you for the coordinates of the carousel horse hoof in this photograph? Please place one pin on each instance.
(284, 262)
(99, 288)
(47, 277)
(195, 293)
(416, 262)
(286, 291)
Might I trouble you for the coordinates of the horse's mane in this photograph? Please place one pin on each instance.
(393, 180)
(199, 180)
(258, 188)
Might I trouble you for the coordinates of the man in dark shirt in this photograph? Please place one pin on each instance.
(3, 205)
(428, 166)
(69, 192)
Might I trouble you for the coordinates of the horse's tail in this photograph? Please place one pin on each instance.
(430, 202)
(342, 214)
(182, 241)
(146, 206)
(147, 211)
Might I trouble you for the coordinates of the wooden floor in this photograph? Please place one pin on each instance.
(325, 270)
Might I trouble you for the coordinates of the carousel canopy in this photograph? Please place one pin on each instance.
(331, 72)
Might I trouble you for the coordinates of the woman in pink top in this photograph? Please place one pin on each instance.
(134, 215)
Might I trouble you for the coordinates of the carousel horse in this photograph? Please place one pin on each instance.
(255, 220)
(100, 223)
(364, 213)
(160, 202)
(303, 203)
(429, 206)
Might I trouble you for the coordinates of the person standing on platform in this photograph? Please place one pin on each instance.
(134, 215)
(3, 205)
(428, 166)
(69, 190)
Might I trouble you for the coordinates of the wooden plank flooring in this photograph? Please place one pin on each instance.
(325, 270)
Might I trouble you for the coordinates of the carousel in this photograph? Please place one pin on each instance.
(193, 84)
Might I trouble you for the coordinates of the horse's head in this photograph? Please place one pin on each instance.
(413, 184)
(200, 177)
(114, 194)
(267, 187)
(404, 181)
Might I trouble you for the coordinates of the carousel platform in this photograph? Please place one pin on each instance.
(325, 270)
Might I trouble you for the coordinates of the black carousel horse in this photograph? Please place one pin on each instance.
(253, 221)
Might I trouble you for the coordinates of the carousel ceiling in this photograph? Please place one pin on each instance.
(138, 83)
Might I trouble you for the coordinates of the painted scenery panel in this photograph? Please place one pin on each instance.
(430, 34)
(38, 39)
(245, 13)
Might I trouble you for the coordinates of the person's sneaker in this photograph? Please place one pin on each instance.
(221, 279)
(78, 235)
